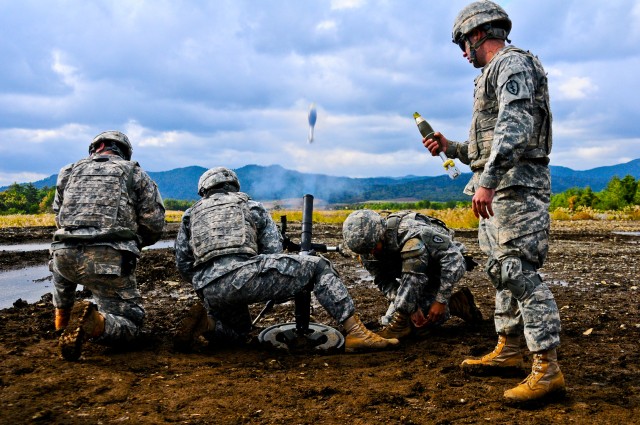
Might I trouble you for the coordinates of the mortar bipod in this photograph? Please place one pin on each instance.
(302, 334)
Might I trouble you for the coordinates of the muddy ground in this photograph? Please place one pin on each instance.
(592, 271)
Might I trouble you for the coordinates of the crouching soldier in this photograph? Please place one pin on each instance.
(415, 262)
(230, 249)
(107, 208)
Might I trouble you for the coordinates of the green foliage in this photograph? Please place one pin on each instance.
(177, 204)
(619, 194)
(26, 199)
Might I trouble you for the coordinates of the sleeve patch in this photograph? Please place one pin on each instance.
(513, 87)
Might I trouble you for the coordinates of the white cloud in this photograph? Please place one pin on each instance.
(12, 137)
(67, 73)
(7, 179)
(325, 26)
(147, 138)
(591, 153)
(576, 88)
(566, 85)
(230, 83)
(346, 4)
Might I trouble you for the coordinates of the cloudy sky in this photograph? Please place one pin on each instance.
(229, 82)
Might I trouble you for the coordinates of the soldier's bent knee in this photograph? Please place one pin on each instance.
(518, 276)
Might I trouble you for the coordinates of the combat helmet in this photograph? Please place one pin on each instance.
(487, 14)
(121, 141)
(362, 230)
(218, 178)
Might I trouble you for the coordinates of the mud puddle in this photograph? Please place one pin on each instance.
(31, 283)
(44, 246)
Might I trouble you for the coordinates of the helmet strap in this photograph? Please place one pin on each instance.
(225, 188)
(99, 148)
(490, 33)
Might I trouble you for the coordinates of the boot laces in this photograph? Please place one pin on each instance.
(496, 350)
(536, 371)
(397, 323)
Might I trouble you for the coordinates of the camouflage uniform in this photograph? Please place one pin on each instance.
(421, 253)
(243, 264)
(107, 209)
(508, 148)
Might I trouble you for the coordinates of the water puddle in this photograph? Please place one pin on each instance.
(627, 233)
(26, 247)
(31, 283)
(44, 246)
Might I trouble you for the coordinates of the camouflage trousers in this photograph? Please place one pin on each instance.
(110, 276)
(276, 277)
(516, 241)
(413, 294)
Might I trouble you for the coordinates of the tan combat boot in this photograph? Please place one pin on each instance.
(545, 378)
(360, 338)
(398, 328)
(85, 322)
(463, 305)
(62, 318)
(504, 359)
(191, 327)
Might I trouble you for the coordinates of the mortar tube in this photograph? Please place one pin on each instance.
(307, 224)
(303, 299)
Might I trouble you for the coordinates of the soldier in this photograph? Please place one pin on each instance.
(415, 262)
(107, 208)
(230, 249)
(508, 152)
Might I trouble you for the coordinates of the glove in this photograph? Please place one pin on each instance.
(471, 264)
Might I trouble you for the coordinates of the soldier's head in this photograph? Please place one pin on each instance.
(478, 22)
(362, 231)
(113, 141)
(218, 179)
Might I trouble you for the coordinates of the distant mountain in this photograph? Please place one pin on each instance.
(563, 178)
(277, 183)
(274, 183)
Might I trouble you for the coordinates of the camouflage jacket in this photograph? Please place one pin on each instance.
(510, 135)
(140, 202)
(269, 241)
(416, 246)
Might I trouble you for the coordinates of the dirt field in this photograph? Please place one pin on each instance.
(592, 272)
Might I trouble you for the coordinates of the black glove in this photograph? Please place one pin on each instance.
(471, 264)
(288, 245)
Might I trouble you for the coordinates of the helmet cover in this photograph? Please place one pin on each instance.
(218, 177)
(477, 14)
(362, 230)
(120, 139)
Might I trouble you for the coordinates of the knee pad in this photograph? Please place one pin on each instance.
(512, 277)
(323, 268)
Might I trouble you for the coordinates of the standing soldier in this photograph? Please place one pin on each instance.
(230, 249)
(415, 262)
(107, 208)
(508, 152)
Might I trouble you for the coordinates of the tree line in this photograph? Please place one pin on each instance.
(26, 199)
(618, 194)
(419, 205)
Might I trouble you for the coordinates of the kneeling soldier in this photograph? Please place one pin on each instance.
(230, 249)
(415, 262)
(107, 208)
